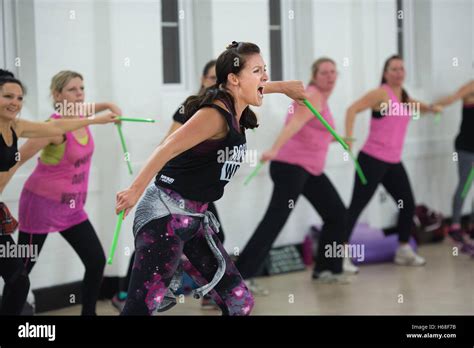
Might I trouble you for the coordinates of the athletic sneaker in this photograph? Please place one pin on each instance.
(467, 248)
(256, 289)
(349, 267)
(407, 257)
(208, 303)
(471, 232)
(456, 235)
(327, 277)
(118, 303)
(30, 305)
(462, 239)
(168, 302)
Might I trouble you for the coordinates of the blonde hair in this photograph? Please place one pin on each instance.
(315, 67)
(60, 80)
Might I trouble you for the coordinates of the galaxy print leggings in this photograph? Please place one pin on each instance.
(159, 246)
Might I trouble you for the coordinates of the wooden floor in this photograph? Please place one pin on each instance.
(444, 286)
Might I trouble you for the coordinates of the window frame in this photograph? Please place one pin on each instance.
(8, 35)
(407, 38)
(185, 26)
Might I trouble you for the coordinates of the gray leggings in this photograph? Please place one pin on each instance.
(465, 164)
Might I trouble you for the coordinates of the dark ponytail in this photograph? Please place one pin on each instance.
(385, 68)
(232, 60)
(8, 77)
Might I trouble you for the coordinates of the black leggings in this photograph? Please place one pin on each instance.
(212, 208)
(159, 246)
(84, 241)
(289, 182)
(395, 180)
(16, 280)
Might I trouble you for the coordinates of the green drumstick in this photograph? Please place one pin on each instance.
(118, 226)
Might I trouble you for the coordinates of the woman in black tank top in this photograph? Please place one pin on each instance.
(464, 146)
(8, 152)
(188, 169)
(208, 79)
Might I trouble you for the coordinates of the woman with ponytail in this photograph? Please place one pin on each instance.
(172, 217)
(12, 91)
(208, 79)
(380, 157)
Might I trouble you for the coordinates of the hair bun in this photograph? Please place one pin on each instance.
(6, 73)
(234, 44)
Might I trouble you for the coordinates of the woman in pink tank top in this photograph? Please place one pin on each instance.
(297, 163)
(12, 128)
(380, 157)
(53, 197)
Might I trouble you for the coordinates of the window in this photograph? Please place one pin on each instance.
(276, 62)
(171, 43)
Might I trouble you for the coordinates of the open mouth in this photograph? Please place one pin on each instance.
(12, 109)
(260, 92)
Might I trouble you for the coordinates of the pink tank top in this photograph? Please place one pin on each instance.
(309, 147)
(387, 133)
(54, 196)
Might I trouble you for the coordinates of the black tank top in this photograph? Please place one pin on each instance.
(201, 172)
(179, 115)
(8, 154)
(465, 138)
(376, 114)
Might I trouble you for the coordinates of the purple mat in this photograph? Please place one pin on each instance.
(370, 243)
(377, 246)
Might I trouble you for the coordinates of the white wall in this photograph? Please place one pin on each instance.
(105, 35)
